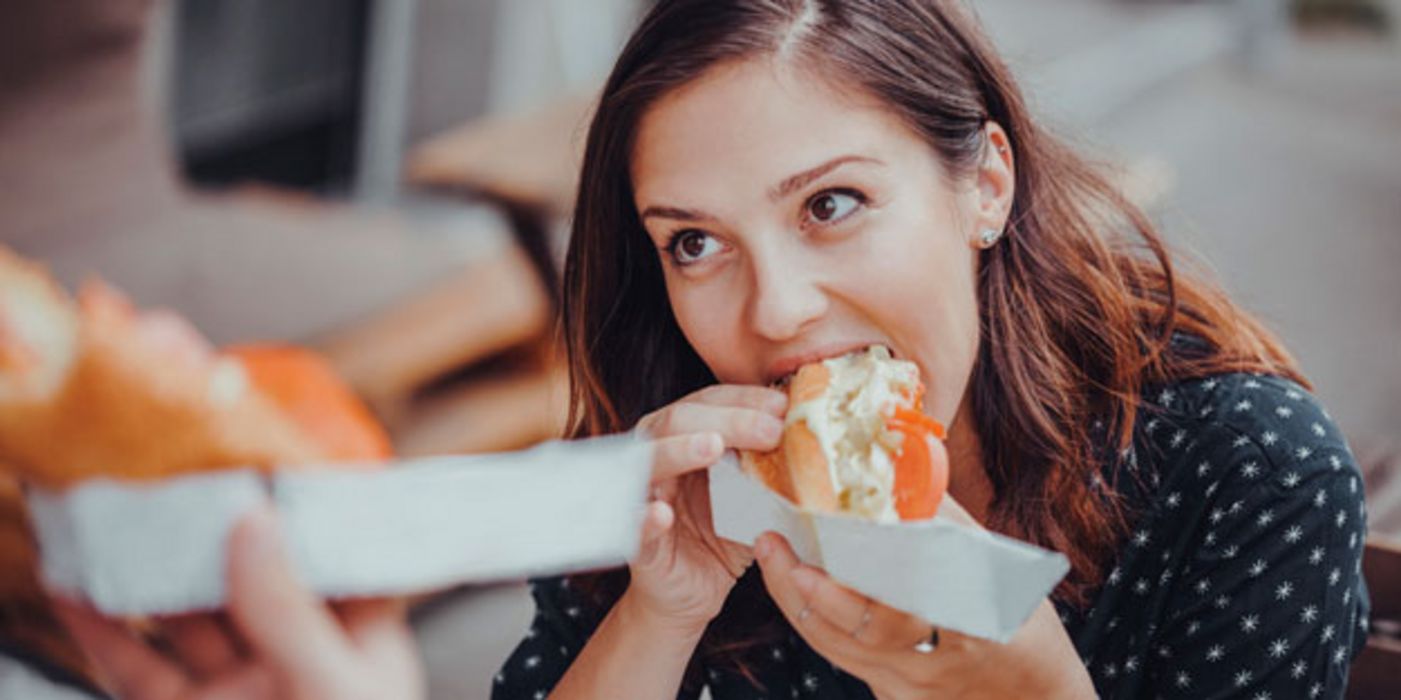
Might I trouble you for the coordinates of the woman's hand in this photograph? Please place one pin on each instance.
(877, 643)
(683, 572)
(276, 640)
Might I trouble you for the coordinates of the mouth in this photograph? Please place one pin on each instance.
(782, 370)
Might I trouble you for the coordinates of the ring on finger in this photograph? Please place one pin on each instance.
(865, 621)
(930, 643)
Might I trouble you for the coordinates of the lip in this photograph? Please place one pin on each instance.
(788, 364)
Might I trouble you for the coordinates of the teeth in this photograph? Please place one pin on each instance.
(886, 350)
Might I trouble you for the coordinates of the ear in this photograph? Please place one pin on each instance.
(996, 182)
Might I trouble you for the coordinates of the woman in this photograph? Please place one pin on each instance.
(768, 182)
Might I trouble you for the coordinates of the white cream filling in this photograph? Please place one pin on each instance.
(42, 334)
(848, 421)
(227, 383)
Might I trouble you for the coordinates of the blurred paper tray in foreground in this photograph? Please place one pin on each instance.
(159, 547)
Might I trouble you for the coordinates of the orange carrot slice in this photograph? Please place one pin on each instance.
(917, 417)
(920, 483)
(305, 387)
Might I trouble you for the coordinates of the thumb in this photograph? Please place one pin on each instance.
(655, 526)
(286, 626)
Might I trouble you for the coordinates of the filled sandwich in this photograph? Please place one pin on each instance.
(856, 441)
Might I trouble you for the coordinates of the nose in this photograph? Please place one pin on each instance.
(787, 298)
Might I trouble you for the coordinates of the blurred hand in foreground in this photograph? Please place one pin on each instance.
(276, 640)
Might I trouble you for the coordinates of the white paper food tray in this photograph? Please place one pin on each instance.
(954, 576)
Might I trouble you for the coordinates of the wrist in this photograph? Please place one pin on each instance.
(634, 612)
(1075, 684)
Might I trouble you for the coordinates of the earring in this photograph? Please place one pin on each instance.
(988, 238)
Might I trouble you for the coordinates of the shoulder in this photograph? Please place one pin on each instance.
(1242, 427)
(1250, 538)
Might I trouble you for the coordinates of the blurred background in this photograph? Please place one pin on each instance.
(388, 181)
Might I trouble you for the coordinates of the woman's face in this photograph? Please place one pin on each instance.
(796, 221)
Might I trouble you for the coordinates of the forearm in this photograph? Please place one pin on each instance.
(630, 655)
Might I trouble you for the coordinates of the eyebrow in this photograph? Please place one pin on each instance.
(783, 189)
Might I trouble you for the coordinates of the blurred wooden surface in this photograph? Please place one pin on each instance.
(504, 411)
(1376, 673)
(488, 306)
(531, 159)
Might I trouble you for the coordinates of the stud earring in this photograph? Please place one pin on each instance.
(989, 237)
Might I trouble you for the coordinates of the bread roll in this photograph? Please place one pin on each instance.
(97, 388)
(856, 441)
(94, 387)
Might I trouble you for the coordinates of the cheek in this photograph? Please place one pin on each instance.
(927, 296)
(709, 318)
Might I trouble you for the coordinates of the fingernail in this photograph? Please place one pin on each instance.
(805, 579)
(706, 446)
(778, 402)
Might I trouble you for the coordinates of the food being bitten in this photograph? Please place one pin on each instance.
(857, 441)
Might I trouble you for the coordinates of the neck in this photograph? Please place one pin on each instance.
(80, 145)
(968, 480)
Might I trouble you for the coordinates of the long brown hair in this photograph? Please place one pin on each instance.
(1079, 302)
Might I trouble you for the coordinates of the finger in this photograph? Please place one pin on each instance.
(655, 525)
(681, 454)
(667, 491)
(867, 621)
(133, 669)
(759, 398)
(285, 625)
(776, 563)
(736, 557)
(249, 681)
(741, 428)
(202, 643)
(370, 614)
(377, 626)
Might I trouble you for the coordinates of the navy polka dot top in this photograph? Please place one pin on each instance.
(1240, 576)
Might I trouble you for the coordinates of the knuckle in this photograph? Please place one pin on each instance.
(647, 424)
(831, 595)
(712, 394)
(736, 424)
(664, 422)
(744, 423)
(882, 636)
(672, 450)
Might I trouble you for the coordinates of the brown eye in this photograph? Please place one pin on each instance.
(832, 205)
(691, 246)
